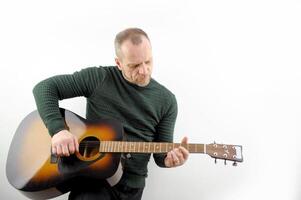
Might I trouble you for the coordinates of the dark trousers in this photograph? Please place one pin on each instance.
(103, 191)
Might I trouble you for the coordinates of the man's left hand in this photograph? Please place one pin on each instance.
(177, 156)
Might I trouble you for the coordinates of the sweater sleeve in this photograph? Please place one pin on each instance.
(48, 92)
(165, 129)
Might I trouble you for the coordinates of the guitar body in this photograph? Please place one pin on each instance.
(31, 169)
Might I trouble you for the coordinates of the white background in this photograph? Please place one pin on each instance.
(233, 65)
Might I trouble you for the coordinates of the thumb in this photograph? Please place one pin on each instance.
(185, 140)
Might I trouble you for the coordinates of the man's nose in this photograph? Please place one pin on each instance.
(143, 69)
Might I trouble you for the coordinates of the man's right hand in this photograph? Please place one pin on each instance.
(64, 143)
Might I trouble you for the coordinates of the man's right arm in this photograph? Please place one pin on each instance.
(47, 94)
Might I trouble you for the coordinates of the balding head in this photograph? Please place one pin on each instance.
(134, 35)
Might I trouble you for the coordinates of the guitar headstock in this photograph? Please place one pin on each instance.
(225, 152)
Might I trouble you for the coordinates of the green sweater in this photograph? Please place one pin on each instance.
(146, 113)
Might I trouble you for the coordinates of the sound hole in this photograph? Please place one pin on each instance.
(89, 147)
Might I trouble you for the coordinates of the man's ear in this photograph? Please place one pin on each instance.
(117, 61)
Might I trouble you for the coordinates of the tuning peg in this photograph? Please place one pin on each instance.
(235, 163)
(215, 161)
(225, 162)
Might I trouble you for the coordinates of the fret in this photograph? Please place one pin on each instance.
(142, 148)
(100, 147)
(132, 147)
(157, 147)
(137, 147)
(148, 147)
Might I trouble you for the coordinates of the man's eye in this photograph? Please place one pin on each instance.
(133, 66)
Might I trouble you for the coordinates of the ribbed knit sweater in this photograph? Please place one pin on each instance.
(146, 113)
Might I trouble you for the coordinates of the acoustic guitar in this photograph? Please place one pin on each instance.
(33, 170)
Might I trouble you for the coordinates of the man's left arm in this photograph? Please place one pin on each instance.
(165, 129)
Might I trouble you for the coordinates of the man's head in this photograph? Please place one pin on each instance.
(134, 56)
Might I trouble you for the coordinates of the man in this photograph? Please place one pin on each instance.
(126, 92)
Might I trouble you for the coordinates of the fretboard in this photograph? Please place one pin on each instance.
(146, 147)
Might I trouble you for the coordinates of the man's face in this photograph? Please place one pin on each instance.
(136, 62)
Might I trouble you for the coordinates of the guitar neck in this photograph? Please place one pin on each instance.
(147, 147)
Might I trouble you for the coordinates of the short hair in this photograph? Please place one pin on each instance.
(132, 34)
